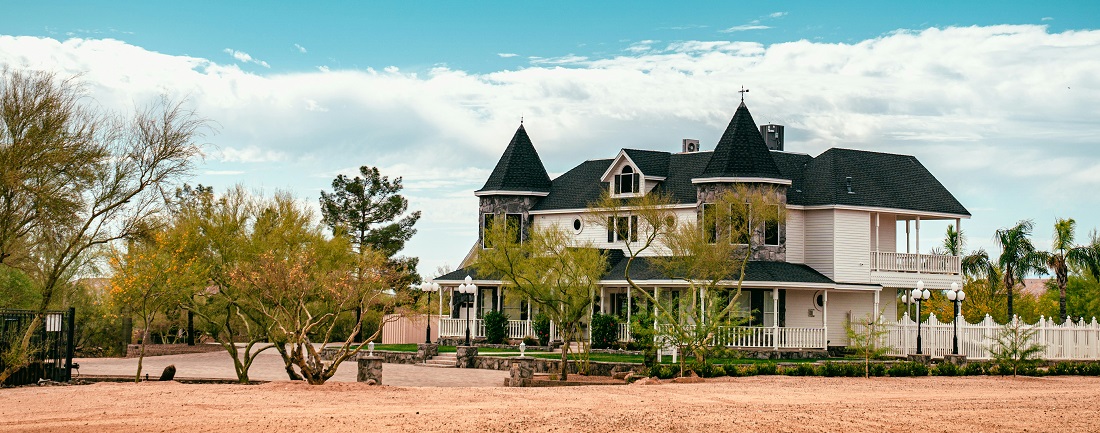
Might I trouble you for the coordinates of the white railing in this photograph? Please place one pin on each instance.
(905, 262)
(766, 337)
(1070, 340)
(517, 329)
(624, 332)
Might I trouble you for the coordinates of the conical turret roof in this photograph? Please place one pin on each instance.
(519, 168)
(741, 152)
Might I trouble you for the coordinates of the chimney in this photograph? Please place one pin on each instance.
(773, 136)
(691, 145)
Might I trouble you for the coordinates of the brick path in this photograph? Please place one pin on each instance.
(269, 366)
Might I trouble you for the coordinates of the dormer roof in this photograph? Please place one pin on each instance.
(741, 154)
(519, 170)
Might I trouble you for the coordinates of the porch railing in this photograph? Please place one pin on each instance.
(905, 262)
(768, 337)
(517, 329)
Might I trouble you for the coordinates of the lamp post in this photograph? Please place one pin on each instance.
(956, 296)
(429, 288)
(467, 289)
(919, 295)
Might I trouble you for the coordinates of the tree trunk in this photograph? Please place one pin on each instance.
(141, 353)
(566, 339)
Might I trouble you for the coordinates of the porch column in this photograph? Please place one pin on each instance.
(877, 239)
(825, 315)
(439, 319)
(603, 300)
(529, 316)
(907, 237)
(775, 318)
(876, 315)
(628, 302)
(657, 299)
(917, 241)
(477, 313)
(703, 306)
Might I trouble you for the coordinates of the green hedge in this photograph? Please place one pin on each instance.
(898, 369)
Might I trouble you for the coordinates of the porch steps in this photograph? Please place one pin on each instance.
(442, 360)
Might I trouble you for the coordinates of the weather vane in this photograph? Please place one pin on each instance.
(743, 91)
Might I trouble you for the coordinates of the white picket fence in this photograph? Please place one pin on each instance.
(1078, 340)
(765, 337)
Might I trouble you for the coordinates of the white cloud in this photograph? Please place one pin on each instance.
(745, 27)
(777, 14)
(323, 68)
(980, 107)
(243, 57)
(1048, 18)
(507, 55)
(300, 48)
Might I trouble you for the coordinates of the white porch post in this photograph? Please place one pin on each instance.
(439, 318)
(775, 318)
(529, 316)
(477, 313)
(603, 300)
(877, 240)
(907, 251)
(825, 315)
(656, 298)
(876, 314)
(628, 302)
(703, 306)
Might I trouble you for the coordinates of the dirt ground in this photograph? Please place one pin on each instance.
(772, 404)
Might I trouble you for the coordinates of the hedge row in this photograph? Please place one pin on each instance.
(878, 369)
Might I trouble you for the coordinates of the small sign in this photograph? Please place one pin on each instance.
(53, 322)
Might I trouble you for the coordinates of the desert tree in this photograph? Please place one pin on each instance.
(152, 275)
(709, 254)
(867, 339)
(75, 180)
(1065, 254)
(554, 273)
(1018, 258)
(1014, 347)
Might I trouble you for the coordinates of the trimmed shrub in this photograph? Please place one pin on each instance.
(878, 369)
(908, 369)
(800, 370)
(1063, 369)
(767, 369)
(496, 327)
(542, 329)
(605, 331)
(530, 341)
(666, 372)
(1089, 369)
(717, 371)
(946, 369)
(974, 369)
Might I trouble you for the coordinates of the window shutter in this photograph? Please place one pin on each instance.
(610, 229)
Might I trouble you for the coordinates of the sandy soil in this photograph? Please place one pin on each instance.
(772, 404)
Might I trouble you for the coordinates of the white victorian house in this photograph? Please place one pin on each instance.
(836, 257)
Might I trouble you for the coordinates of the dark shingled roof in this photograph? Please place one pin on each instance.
(741, 152)
(519, 169)
(755, 271)
(878, 180)
(650, 162)
(643, 269)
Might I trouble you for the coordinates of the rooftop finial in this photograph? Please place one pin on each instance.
(520, 120)
(743, 91)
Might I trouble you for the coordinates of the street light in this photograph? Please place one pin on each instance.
(919, 295)
(467, 289)
(429, 287)
(956, 296)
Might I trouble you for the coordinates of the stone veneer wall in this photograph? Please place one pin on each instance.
(506, 204)
(708, 193)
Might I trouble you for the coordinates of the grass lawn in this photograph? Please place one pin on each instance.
(442, 349)
(638, 359)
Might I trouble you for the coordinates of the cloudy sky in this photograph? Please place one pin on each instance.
(1000, 100)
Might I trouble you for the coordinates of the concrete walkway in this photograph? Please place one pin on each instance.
(269, 366)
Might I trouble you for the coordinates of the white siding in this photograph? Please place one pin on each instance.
(887, 233)
(799, 304)
(818, 241)
(852, 247)
(596, 234)
(845, 306)
(796, 236)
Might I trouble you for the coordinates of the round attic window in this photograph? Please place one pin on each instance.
(577, 225)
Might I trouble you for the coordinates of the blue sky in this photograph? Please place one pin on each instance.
(997, 99)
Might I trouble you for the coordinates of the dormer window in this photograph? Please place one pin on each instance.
(627, 181)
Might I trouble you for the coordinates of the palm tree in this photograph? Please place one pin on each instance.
(1018, 257)
(1065, 254)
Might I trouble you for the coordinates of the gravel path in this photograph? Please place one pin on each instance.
(269, 366)
(767, 404)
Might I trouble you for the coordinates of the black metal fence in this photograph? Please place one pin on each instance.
(51, 348)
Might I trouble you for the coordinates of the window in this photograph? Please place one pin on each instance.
(627, 182)
(710, 223)
(486, 223)
(577, 225)
(515, 226)
(513, 220)
(771, 227)
(620, 229)
(740, 227)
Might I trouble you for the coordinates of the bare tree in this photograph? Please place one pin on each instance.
(122, 171)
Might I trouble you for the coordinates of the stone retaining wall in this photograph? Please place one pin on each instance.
(133, 350)
(540, 365)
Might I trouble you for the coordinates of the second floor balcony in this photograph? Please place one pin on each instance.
(915, 263)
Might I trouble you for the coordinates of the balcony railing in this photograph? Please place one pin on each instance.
(925, 263)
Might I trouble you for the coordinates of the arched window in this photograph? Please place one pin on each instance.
(627, 181)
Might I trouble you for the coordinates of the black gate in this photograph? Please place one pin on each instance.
(51, 345)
